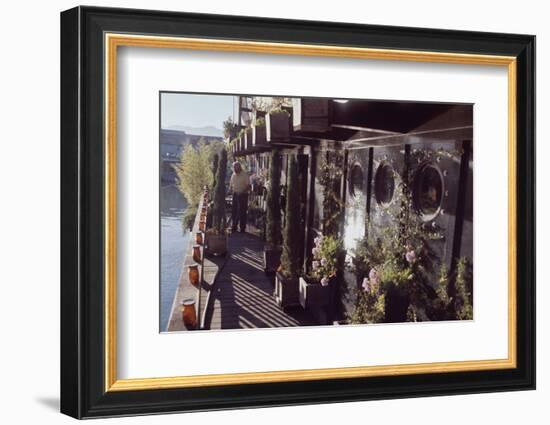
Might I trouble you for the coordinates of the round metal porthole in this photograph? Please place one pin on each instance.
(428, 191)
(356, 180)
(384, 184)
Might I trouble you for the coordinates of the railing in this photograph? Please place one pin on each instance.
(187, 308)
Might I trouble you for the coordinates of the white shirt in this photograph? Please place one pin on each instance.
(239, 182)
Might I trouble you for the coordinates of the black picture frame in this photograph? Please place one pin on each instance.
(83, 392)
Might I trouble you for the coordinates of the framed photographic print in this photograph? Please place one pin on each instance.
(261, 212)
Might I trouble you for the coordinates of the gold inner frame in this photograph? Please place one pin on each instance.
(113, 41)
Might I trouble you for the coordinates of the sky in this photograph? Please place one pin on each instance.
(195, 110)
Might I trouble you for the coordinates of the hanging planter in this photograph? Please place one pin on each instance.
(259, 139)
(248, 139)
(311, 114)
(240, 144)
(278, 126)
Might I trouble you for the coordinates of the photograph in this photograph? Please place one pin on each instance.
(280, 211)
(289, 209)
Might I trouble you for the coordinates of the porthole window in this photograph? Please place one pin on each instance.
(356, 180)
(428, 191)
(384, 184)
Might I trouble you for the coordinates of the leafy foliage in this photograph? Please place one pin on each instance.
(230, 129)
(290, 258)
(371, 306)
(400, 262)
(189, 215)
(194, 171)
(330, 179)
(462, 300)
(326, 254)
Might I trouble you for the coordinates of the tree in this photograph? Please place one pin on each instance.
(290, 259)
(218, 216)
(273, 213)
(194, 169)
(194, 172)
(230, 129)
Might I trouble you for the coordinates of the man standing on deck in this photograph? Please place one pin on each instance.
(240, 185)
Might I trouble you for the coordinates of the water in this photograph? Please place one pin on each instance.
(174, 240)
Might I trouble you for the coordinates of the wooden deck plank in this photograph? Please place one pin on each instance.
(243, 294)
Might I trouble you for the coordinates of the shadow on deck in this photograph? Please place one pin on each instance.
(243, 294)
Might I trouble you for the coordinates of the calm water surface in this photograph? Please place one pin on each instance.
(174, 241)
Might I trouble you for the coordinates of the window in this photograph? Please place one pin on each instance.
(356, 180)
(384, 184)
(428, 191)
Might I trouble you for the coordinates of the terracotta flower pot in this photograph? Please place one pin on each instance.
(189, 313)
(194, 275)
(198, 238)
(197, 253)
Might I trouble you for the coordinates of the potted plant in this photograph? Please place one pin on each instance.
(315, 288)
(278, 125)
(272, 247)
(286, 278)
(240, 141)
(216, 237)
(259, 133)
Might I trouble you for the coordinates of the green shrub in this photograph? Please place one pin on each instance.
(218, 213)
(215, 160)
(273, 213)
(290, 258)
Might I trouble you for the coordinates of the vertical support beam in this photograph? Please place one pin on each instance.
(343, 193)
(460, 203)
(310, 203)
(369, 188)
(303, 163)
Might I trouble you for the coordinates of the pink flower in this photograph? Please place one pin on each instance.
(323, 261)
(315, 265)
(410, 256)
(318, 240)
(315, 252)
(366, 284)
(324, 281)
(374, 276)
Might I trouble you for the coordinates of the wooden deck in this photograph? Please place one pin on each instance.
(242, 295)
